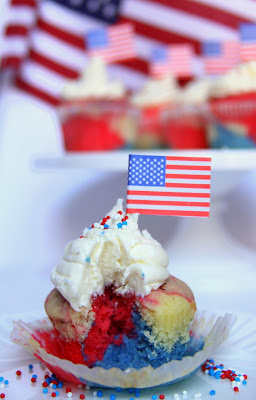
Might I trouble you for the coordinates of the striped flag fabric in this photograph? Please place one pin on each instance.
(112, 43)
(169, 185)
(219, 57)
(52, 35)
(248, 42)
(174, 59)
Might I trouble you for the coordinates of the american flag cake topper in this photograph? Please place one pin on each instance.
(169, 185)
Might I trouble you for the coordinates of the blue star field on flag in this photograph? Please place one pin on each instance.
(103, 10)
(146, 170)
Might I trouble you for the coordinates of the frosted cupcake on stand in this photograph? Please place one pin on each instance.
(95, 113)
(184, 125)
(232, 121)
(156, 96)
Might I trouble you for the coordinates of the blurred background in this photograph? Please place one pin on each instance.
(85, 82)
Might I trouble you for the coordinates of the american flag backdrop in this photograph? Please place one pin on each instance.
(47, 38)
(248, 41)
(219, 57)
(169, 185)
(176, 59)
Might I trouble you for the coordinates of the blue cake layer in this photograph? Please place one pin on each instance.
(138, 352)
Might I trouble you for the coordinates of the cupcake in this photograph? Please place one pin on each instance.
(95, 113)
(114, 303)
(232, 121)
(151, 100)
(184, 125)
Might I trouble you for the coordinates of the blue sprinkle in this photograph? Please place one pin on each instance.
(54, 376)
(212, 392)
(137, 392)
(88, 259)
(106, 226)
(217, 375)
(6, 382)
(30, 366)
(211, 361)
(131, 398)
(237, 379)
(1, 379)
(112, 397)
(57, 393)
(54, 386)
(99, 393)
(211, 372)
(154, 397)
(124, 222)
(119, 225)
(102, 233)
(60, 384)
(90, 228)
(34, 376)
(48, 380)
(130, 391)
(45, 390)
(119, 389)
(221, 366)
(244, 382)
(142, 274)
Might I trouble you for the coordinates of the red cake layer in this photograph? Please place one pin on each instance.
(113, 319)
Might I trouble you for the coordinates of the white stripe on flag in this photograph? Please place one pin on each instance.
(168, 189)
(244, 8)
(20, 15)
(160, 207)
(187, 172)
(179, 180)
(14, 45)
(176, 21)
(168, 198)
(189, 163)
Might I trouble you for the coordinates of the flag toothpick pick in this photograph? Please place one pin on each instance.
(169, 185)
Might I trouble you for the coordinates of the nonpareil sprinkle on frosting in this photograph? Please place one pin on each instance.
(111, 252)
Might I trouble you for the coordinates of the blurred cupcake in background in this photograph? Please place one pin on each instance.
(95, 112)
(184, 125)
(151, 100)
(232, 122)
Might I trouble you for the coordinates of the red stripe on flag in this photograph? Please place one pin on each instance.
(190, 167)
(184, 176)
(138, 64)
(161, 35)
(170, 194)
(36, 92)
(169, 212)
(10, 62)
(182, 158)
(169, 203)
(22, 3)
(16, 30)
(205, 11)
(61, 34)
(52, 65)
(189, 185)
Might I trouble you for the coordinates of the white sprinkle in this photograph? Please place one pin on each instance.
(80, 386)
(96, 225)
(197, 395)
(94, 393)
(206, 372)
(87, 387)
(69, 394)
(2, 385)
(51, 385)
(116, 217)
(184, 392)
(101, 227)
(176, 396)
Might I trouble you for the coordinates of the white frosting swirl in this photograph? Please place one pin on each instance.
(122, 256)
(196, 92)
(241, 79)
(93, 83)
(156, 91)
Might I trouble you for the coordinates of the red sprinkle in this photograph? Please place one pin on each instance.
(223, 376)
(81, 237)
(245, 377)
(120, 212)
(108, 217)
(44, 384)
(2, 395)
(68, 390)
(33, 380)
(236, 389)
(46, 376)
(53, 394)
(161, 396)
(18, 373)
(82, 396)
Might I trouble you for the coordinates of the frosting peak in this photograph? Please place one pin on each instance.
(112, 252)
(93, 83)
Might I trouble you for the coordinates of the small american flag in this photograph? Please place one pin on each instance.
(219, 57)
(112, 43)
(174, 59)
(169, 185)
(248, 41)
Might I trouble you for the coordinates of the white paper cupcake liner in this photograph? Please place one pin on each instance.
(206, 326)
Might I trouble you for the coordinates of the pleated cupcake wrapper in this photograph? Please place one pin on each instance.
(229, 109)
(212, 328)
